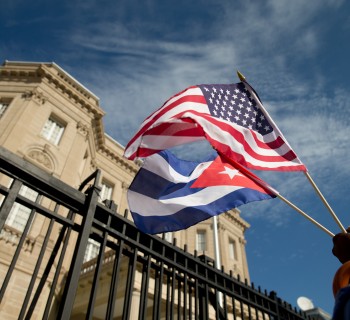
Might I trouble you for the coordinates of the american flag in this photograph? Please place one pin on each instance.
(230, 116)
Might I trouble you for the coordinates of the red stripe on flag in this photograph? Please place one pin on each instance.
(163, 110)
(239, 137)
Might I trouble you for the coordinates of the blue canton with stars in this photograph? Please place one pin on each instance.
(234, 103)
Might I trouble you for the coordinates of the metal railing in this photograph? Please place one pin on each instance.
(134, 275)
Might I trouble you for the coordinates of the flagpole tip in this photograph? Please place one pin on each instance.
(240, 76)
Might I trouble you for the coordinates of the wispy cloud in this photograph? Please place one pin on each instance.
(145, 69)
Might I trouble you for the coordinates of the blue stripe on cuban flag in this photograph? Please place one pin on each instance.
(161, 198)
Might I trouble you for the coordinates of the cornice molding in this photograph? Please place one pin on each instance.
(233, 216)
(35, 95)
(99, 132)
(16, 73)
(126, 164)
(54, 76)
(71, 90)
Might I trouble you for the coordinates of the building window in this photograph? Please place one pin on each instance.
(201, 241)
(92, 250)
(3, 107)
(53, 131)
(232, 249)
(106, 191)
(168, 236)
(19, 214)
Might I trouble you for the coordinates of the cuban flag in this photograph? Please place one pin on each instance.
(170, 194)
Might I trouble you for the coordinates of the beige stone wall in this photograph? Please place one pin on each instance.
(37, 91)
(230, 227)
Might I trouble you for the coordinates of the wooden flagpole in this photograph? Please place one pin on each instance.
(266, 186)
(325, 202)
(305, 215)
(242, 78)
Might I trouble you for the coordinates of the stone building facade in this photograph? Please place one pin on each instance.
(51, 120)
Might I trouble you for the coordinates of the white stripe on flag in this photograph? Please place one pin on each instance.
(147, 206)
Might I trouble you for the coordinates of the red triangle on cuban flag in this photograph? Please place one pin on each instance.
(223, 173)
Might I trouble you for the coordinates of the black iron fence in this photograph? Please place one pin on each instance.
(134, 275)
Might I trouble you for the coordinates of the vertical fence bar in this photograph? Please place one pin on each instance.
(225, 305)
(233, 301)
(190, 306)
(249, 298)
(158, 288)
(156, 298)
(4, 212)
(173, 286)
(17, 253)
(115, 277)
(63, 239)
(179, 289)
(36, 269)
(196, 289)
(44, 275)
(185, 287)
(90, 311)
(130, 284)
(70, 288)
(242, 309)
(203, 302)
(9, 201)
(144, 286)
(273, 296)
(168, 295)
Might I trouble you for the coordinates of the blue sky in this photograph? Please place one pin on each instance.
(136, 54)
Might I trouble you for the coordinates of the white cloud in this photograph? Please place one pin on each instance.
(144, 70)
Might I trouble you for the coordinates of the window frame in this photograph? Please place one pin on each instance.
(232, 248)
(19, 214)
(3, 107)
(168, 236)
(201, 240)
(92, 250)
(106, 195)
(56, 128)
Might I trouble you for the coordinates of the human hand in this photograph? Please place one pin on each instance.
(341, 246)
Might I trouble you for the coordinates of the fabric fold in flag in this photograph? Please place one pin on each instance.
(230, 116)
(170, 194)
